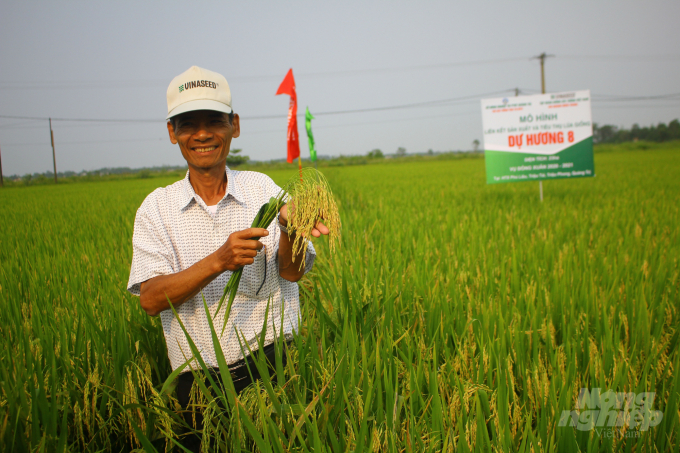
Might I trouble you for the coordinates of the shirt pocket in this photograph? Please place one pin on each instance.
(259, 280)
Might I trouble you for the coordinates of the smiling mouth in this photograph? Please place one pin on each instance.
(205, 150)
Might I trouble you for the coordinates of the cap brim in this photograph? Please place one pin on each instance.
(199, 104)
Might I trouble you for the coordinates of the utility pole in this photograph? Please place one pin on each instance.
(2, 183)
(516, 92)
(542, 58)
(54, 156)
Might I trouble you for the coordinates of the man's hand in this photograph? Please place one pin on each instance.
(289, 270)
(316, 232)
(240, 249)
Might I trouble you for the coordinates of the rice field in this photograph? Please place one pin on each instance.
(455, 316)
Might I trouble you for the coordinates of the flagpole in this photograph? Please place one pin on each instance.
(300, 167)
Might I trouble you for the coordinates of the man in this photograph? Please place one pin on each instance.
(190, 236)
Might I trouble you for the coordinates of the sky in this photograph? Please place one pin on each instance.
(114, 60)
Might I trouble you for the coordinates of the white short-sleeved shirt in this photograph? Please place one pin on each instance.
(174, 230)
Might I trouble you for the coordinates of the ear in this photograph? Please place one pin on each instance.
(237, 126)
(171, 133)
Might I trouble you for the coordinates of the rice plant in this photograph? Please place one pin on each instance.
(311, 200)
(454, 316)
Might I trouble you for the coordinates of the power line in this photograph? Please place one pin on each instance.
(92, 142)
(663, 97)
(362, 123)
(20, 124)
(19, 85)
(255, 132)
(622, 57)
(619, 97)
(67, 125)
(334, 126)
(433, 103)
(411, 68)
(149, 83)
(77, 85)
(89, 120)
(410, 118)
(636, 106)
(263, 117)
(448, 101)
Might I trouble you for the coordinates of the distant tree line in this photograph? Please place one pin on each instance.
(144, 172)
(234, 159)
(658, 133)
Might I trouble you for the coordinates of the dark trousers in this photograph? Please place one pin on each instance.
(239, 375)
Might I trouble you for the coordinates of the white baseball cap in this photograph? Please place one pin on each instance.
(198, 89)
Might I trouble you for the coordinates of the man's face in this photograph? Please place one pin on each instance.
(204, 137)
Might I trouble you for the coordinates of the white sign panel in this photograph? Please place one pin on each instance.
(543, 136)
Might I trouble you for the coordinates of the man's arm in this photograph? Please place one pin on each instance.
(289, 270)
(238, 251)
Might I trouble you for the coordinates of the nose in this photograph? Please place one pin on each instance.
(202, 133)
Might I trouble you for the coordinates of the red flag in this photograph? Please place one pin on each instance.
(288, 87)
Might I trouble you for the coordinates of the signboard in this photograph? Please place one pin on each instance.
(545, 136)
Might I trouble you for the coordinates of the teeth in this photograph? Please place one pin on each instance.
(204, 150)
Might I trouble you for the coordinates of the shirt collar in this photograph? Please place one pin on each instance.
(233, 188)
